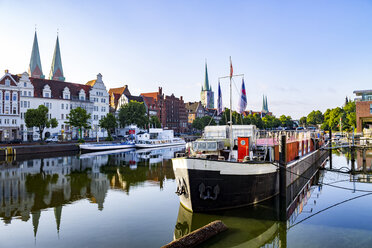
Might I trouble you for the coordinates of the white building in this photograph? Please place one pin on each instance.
(9, 108)
(30, 90)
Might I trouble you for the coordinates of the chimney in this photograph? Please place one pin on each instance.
(6, 71)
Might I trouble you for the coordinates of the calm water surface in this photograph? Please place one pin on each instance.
(127, 199)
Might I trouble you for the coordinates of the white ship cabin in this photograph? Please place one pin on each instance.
(156, 136)
(223, 132)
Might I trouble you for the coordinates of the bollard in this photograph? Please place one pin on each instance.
(198, 236)
(283, 178)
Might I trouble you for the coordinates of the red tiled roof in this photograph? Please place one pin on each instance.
(153, 95)
(57, 88)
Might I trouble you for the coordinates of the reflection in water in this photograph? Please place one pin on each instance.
(29, 186)
(253, 226)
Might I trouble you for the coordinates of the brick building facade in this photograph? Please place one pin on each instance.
(363, 106)
(170, 110)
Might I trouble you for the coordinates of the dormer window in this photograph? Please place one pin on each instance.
(47, 93)
(7, 82)
(66, 93)
(82, 95)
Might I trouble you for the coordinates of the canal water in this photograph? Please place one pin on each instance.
(127, 199)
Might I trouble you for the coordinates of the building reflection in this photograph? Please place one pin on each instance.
(253, 226)
(29, 186)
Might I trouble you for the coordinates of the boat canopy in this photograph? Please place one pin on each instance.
(207, 145)
(222, 132)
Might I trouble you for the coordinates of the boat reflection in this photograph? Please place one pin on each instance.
(253, 226)
(28, 186)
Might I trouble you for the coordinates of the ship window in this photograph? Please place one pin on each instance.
(202, 146)
(212, 146)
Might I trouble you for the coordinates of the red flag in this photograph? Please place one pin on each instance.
(231, 69)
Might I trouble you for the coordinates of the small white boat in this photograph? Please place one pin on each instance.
(157, 137)
(107, 146)
(104, 153)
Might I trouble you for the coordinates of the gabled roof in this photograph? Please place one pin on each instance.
(120, 90)
(191, 107)
(57, 88)
(13, 79)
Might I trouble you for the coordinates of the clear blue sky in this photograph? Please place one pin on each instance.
(303, 55)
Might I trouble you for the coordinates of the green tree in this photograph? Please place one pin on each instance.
(39, 118)
(270, 122)
(79, 118)
(133, 113)
(197, 124)
(315, 117)
(155, 122)
(286, 121)
(109, 122)
(201, 123)
(303, 121)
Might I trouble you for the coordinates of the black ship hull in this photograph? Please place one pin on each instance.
(209, 185)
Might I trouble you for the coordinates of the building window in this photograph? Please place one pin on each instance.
(103, 100)
(14, 110)
(7, 110)
(7, 96)
(370, 108)
(14, 96)
(62, 106)
(7, 82)
(29, 93)
(25, 84)
(62, 116)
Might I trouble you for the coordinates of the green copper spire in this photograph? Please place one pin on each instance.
(206, 86)
(35, 69)
(35, 221)
(267, 107)
(263, 104)
(56, 72)
(57, 215)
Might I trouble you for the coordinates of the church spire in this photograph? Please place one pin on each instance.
(35, 221)
(206, 86)
(35, 69)
(263, 104)
(57, 215)
(267, 107)
(56, 72)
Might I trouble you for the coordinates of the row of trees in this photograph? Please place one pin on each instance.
(340, 118)
(131, 113)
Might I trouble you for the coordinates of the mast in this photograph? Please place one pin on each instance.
(231, 134)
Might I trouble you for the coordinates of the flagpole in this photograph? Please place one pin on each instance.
(231, 133)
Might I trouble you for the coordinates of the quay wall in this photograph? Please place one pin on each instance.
(299, 172)
(38, 149)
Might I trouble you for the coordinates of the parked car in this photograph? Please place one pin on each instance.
(52, 139)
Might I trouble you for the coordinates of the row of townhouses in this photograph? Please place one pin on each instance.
(20, 92)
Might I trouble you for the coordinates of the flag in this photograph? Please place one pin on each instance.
(231, 69)
(243, 99)
(219, 100)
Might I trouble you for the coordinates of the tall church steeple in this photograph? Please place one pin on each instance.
(35, 70)
(56, 71)
(206, 94)
(206, 86)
